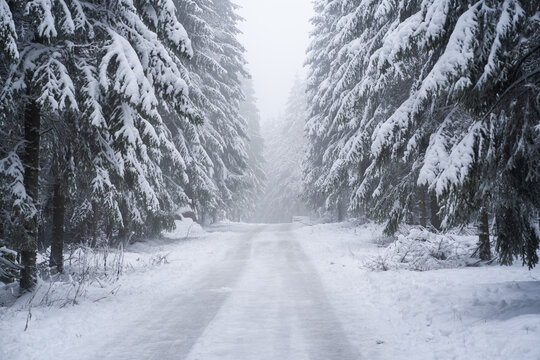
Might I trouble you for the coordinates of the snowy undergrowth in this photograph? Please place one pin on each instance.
(89, 275)
(92, 274)
(420, 250)
(487, 312)
(76, 310)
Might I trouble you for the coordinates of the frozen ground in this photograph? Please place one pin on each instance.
(285, 292)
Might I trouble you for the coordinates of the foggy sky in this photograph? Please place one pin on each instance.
(276, 35)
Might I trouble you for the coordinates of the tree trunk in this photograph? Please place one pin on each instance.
(95, 221)
(341, 211)
(123, 235)
(57, 246)
(1, 226)
(203, 218)
(484, 245)
(28, 248)
(434, 208)
(422, 206)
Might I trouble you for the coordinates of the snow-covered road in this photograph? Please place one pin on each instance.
(282, 292)
(263, 301)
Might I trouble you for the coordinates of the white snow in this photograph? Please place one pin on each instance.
(460, 160)
(285, 292)
(105, 313)
(185, 228)
(7, 27)
(488, 312)
(43, 10)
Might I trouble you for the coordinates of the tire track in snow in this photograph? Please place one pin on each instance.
(278, 311)
(321, 327)
(181, 320)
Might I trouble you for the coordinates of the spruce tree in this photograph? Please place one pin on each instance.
(221, 177)
(255, 149)
(422, 94)
(36, 80)
(104, 69)
(325, 175)
(285, 153)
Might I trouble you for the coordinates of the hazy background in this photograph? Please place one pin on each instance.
(276, 36)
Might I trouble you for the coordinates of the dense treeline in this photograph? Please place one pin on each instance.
(115, 115)
(281, 199)
(428, 112)
(256, 152)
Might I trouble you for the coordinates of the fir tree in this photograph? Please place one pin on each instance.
(282, 199)
(421, 92)
(255, 149)
(36, 81)
(324, 175)
(220, 176)
(104, 68)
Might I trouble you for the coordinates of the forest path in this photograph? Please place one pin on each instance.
(264, 301)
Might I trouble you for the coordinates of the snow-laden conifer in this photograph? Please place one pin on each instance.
(219, 145)
(255, 150)
(282, 198)
(106, 67)
(418, 92)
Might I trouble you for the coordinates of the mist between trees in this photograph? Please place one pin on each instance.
(117, 116)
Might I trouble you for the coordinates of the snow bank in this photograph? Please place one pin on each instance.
(93, 274)
(488, 312)
(55, 323)
(184, 228)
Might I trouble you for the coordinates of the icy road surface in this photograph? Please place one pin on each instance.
(263, 301)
